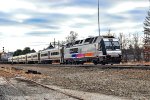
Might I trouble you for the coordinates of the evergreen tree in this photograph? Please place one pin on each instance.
(147, 37)
(24, 51)
(32, 51)
(17, 52)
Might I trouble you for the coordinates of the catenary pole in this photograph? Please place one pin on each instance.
(98, 20)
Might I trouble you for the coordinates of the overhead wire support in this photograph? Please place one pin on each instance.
(149, 3)
(98, 20)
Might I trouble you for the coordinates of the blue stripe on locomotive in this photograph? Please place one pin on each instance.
(74, 55)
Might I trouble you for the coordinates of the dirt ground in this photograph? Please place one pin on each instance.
(130, 83)
(13, 87)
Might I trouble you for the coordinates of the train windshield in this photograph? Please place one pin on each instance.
(113, 45)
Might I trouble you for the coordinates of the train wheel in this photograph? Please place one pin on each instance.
(95, 62)
(103, 63)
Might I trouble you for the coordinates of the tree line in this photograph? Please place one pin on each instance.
(24, 51)
(132, 47)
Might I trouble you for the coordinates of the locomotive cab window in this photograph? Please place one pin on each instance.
(108, 45)
(116, 44)
(112, 45)
(74, 50)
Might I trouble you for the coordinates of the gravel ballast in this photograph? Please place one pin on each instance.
(131, 83)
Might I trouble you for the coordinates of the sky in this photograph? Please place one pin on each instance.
(35, 23)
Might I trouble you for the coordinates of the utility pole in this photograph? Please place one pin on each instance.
(98, 20)
(149, 3)
(54, 43)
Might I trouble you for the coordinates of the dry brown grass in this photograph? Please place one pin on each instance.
(9, 73)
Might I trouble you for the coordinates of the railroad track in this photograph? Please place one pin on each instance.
(117, 66)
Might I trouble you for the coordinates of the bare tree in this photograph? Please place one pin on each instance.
(61, 43)
(72, 37)
(137, 50)
(110, 33)
(131, 46)
(124, 41)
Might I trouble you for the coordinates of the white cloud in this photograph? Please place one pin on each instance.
(15, 30)
(123, 25)
(127, 6)
(69, 18)
(68, 10)
(21, 17)
(11, 5)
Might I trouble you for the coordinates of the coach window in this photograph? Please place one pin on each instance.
(74, 50)
(55, 53)
(34, 56)
(45, 54)
(29, 56)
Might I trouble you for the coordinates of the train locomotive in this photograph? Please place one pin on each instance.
(97, 50)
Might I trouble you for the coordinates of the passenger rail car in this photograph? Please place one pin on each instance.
(49, 56)
(98, 50)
